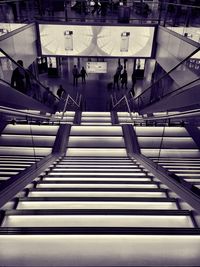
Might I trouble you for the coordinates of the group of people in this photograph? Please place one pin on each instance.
(22, 81)
(76, 75)
(122, 76)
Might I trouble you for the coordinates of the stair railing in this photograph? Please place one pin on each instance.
(23, 114)
(76, 103)
(123, 98)
(145, 98)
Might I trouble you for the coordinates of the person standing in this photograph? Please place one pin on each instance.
(83, 74)
(116, 80)
(75, 75)
(124, 79)
(60, 92)
(20, 79)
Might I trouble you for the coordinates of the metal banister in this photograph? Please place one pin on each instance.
(166, 74)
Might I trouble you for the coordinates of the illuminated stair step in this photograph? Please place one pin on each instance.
(96, 165)
(85, 169)
(18, 158)
(79, 185)
(107, 179)
(190, 171)
(28, 151)
(103, 173)
(191, 180)
(96, 123)
(111, 141)
(193, 175)
(40, 205)
(17, 165)
(3, 173)
(167, 142)
(12, 168)
(97, 221)
(96, 119)
(188, 166)
(97, 160)
(96, 152)
(4, 178)
(170, 152)
(176, 160)
(100, 250)
(96, 113)
(96, 130)
(158, 131)
(96, 194)
(34, 129)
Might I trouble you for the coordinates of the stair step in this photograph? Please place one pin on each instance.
(93, 204)
(92, 186)
(32, 220)
(101, 152)
(97, 194)
(107, 130)
(65, 171)
(139, 247)
(68, 175)
(93, 178)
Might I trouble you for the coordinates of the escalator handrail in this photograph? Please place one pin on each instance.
(13, 111)
(166, 74)
(9, 84)
(26, 71)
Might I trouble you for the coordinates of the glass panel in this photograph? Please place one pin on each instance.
(21, 79)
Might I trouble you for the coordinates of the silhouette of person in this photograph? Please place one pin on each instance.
(124, 79)
(46, 95)
(116, 80)
(20, 78)
(60, 91)
(83, 74)
(75, 75)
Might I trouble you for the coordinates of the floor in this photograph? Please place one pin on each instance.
(95, 92)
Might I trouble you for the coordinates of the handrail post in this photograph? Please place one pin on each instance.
(129, 110)
(66, 102)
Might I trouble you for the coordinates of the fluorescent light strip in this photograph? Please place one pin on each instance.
(68, 174)
(95, 194)
(97, 221)
(124, 179)
(79, 185)
(95, 205)
(102, 169)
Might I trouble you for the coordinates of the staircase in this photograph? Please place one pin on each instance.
(96, 206)
(21, 145)
(173, 149)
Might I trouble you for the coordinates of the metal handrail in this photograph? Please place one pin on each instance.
(183, 114)
(13, 111)
(5, 82)
(118, 102)
(74, 101)
(166, 74)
